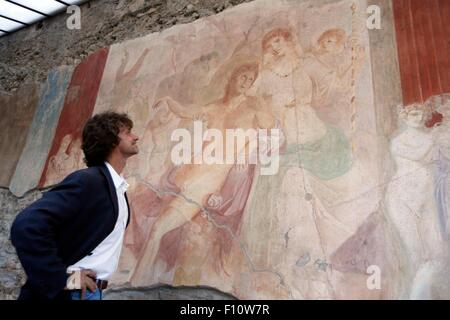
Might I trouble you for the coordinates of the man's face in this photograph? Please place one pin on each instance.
(128, 142)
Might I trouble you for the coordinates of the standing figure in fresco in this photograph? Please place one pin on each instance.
(68, 158)
(411, 206)
(330, 67)
(198, 181)
(312, 149)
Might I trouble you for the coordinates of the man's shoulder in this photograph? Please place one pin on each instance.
(89, 174)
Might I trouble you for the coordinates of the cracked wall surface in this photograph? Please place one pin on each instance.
(334, 209)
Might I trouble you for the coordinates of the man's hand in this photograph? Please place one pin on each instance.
(87, 282)
(82, 280)
(215, 201)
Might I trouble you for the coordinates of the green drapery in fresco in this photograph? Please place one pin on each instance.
(326, 158)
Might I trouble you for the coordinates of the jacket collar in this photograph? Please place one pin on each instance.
(112, 189)
(119, 182)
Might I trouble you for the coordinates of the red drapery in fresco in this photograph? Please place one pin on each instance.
(79, 101)
(423, 44)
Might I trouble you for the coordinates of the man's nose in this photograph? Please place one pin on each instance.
(135, 137)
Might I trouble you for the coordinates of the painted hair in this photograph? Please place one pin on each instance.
(231, 85)
(285, 33)
(337, 33)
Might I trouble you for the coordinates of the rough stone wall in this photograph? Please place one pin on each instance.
(27, 56)
(11, 273)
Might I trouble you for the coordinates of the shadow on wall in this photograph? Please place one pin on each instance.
(166, 292)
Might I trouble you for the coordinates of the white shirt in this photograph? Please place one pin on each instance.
(105, 257)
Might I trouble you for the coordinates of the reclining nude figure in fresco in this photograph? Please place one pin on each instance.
(198, 181)
(411, 206)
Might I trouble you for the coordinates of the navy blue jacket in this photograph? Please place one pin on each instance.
(63, 227)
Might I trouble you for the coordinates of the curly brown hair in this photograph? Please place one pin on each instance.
(101, 136)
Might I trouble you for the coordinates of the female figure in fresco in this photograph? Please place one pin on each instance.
(411, 206)
(312, 148)
(198, 181)
(330, 67)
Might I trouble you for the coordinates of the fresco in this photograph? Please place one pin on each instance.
(42, 131)
(65, 155)
(303, 68)
(17, 114)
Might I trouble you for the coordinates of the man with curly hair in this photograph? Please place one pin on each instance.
(69, 241)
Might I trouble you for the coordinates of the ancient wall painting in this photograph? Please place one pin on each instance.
(41, 133)
(17, 109)
(301, 67)
(65, 155)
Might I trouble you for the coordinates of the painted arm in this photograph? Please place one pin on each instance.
(135, 69)
(403, 150)
(186, 112)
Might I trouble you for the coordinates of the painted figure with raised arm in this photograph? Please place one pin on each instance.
(411, 205)
(198, 181)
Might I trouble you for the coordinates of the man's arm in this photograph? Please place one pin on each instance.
(34, 230)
